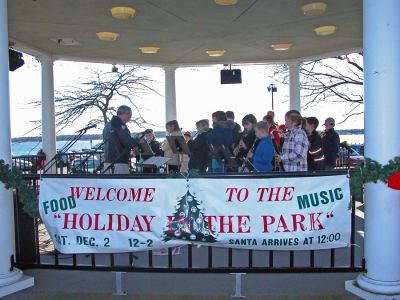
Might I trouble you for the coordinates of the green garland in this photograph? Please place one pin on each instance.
(13, 179)
(372, 171)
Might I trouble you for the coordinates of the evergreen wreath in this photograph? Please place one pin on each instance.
(13, 179)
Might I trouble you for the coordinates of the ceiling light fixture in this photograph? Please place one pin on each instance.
(226, 2)
(149, 49)
(281, 47)
(325, 30)
(107, 36)
(122, 12)
(314, 8)
(215, 53)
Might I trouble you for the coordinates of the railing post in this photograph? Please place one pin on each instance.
(238, 285)
(118, 285)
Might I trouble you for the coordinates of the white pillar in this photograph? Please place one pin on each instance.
(294, 85)
(10, 280)
(382, 143)
(170, 93)
(48, 111)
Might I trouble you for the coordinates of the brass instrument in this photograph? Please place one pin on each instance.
(278, 166)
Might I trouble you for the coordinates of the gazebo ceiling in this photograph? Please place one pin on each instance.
(184, 29)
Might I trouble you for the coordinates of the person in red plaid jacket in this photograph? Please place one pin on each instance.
(295, 145)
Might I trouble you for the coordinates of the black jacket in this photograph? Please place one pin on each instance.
(248, 139)
(330, 146)
(315, 155)
(200, 153)
(117, 142)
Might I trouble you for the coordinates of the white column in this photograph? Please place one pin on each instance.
(382, 143)
(48, 111)
(10, 281)
(170, 93)
(294, 85)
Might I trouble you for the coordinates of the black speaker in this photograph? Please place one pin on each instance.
(15, 59)
(231, 76)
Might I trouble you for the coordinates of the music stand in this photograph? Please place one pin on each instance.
(178, 146)
(145, 149)
(155, 162)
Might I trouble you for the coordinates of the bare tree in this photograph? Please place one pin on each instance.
(336, 79)
(100, 95)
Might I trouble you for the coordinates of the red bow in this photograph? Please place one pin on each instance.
(394, 181)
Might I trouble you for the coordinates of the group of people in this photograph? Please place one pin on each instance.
(226, 146)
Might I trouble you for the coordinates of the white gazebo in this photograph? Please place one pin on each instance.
(184, 30)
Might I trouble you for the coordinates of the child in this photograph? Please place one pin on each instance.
(262, 158)
(200, 152)
(295, 145)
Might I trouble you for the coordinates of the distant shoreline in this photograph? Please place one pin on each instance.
(159, 134)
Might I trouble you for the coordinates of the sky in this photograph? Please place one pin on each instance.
(198, 92)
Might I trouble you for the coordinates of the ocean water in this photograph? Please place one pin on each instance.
(31, 148)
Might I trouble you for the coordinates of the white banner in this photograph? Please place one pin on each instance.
(90, 215)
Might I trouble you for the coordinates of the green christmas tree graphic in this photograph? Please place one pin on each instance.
(189, 223)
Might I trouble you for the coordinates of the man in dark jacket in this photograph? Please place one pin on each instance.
(330, 144)
(118, 141)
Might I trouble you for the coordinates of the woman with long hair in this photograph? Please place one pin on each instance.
(173, 129)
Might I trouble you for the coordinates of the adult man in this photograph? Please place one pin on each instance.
(330, 144)
(118, 141)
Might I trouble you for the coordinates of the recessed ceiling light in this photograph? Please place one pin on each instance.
(325, 30)
(215, 53)
(107, 36)
(226, 2)
(149, 49)
(314, 8)
(281, 47)
(122, 12)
